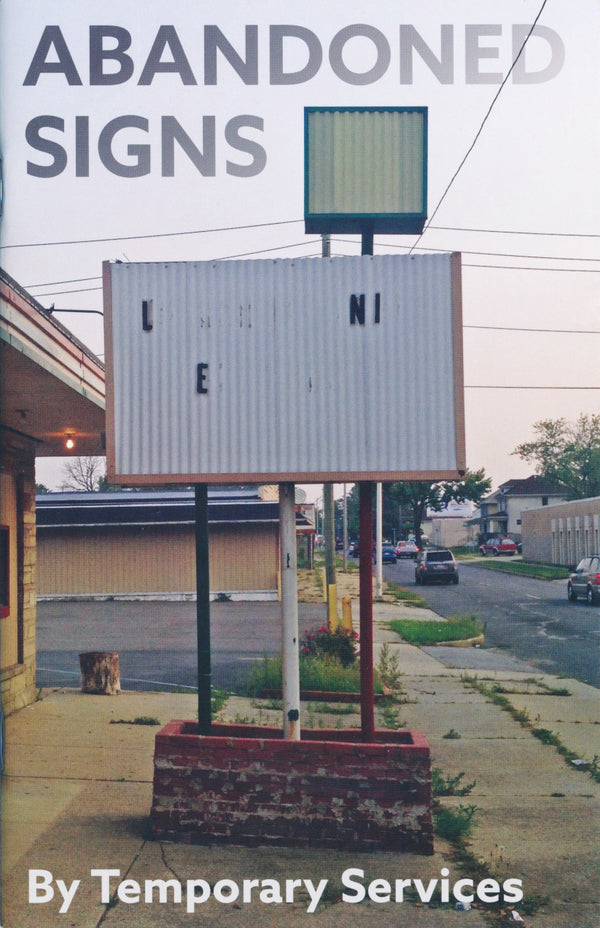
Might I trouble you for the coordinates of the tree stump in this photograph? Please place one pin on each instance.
(100, 672)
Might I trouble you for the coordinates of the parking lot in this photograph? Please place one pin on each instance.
(156, 641)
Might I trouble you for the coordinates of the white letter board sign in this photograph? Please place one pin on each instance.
(307, 370)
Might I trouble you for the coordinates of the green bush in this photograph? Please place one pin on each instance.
(339, 644)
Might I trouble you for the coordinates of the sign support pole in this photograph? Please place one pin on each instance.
(365, 496)
(379, 540)
(203, 609)
(329, 533)
(289, 612)
(367, 698)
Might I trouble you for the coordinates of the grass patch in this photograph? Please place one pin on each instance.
(540, 688)
(338, 708)
(454, 825)
(138, 720)
(401, 594)
(218, 699)
(537, 571)
(442, 785)
(452, 735)
(316, 673)
(455, 628)
(389, 717)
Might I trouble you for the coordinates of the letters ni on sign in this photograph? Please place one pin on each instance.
(299, 369)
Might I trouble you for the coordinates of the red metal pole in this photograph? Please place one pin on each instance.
(367, 698)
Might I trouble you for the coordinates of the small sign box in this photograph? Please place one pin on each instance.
(365, 169)
(304, 370)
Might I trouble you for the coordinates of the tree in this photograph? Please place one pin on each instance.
(567, 453)
(83, 473)
(420, 495)
(416, 497)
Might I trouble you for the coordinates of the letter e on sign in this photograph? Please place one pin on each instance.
(201, 375)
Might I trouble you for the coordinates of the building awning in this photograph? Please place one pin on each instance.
(52, 385)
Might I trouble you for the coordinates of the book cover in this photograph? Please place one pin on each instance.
(152, 135)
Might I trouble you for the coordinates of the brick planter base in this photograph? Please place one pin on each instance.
(245, 784)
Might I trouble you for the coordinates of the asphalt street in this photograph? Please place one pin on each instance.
(528, 619)
(532, 619)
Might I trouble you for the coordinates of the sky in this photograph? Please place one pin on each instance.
(512, 167)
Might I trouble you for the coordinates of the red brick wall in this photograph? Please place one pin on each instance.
(246, 784)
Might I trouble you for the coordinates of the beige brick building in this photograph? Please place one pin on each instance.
(562, 534)
(142, 544)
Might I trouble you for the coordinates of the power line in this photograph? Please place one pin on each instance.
(505, 267)
(158, 235)
(246, 254)
(483, 122)
(497, 254)
(129, 238)
(491, 254)
(63, 292)
(516, 232)
(506, 328)
(487, 386)
(530, 267)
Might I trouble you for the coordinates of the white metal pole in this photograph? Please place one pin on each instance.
(289, 612)
(379, 572)
(345, 526)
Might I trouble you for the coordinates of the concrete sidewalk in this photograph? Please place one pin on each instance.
(76, 794)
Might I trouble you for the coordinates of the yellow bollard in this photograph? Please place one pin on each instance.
(332, 606)
(347, 613)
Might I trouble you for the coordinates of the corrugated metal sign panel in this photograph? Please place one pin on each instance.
(305, 370)
(365, 168)
(345, 146)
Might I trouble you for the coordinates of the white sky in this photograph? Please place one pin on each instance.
(534, 168)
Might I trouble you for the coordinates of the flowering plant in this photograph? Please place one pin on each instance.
(339, 644)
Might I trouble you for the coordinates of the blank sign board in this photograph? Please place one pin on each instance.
(305, 370)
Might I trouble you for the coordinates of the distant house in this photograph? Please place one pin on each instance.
(452, 527)
(501, 511)
(134, 544)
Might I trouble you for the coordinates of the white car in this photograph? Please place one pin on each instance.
(407, 549)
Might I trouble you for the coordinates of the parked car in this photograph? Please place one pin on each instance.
(498, 546)
(407, 549)
(388, 554)
(436, 567)
(585, 581)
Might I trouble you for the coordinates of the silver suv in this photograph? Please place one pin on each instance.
(585, 581)
(436, 566)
